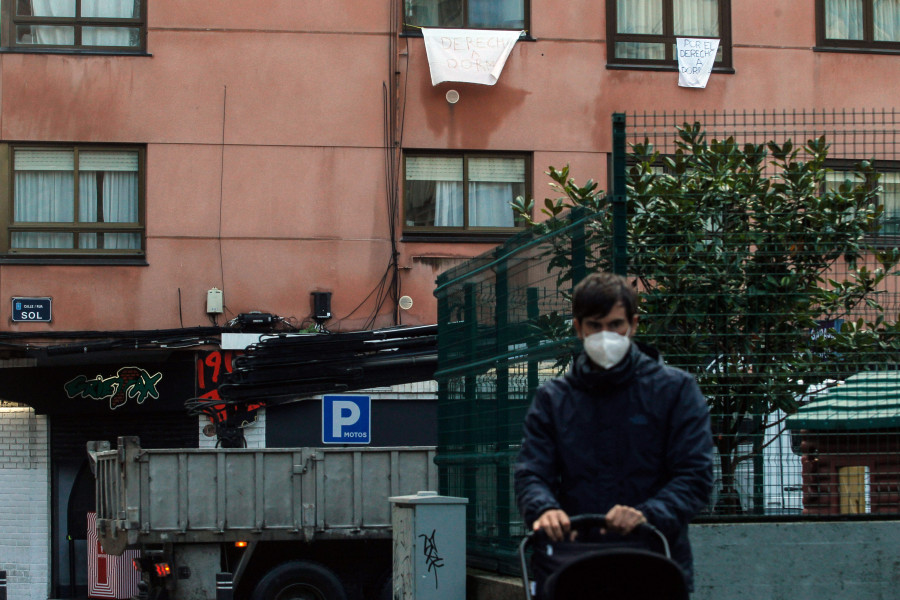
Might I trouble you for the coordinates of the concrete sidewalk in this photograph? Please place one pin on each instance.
(483, 585)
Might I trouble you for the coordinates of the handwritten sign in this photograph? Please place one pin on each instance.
(467, 55)
(696, 57)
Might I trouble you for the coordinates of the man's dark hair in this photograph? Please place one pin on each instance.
(598, 293)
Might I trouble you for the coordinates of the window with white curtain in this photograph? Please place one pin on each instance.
(643, 32)
(469, 14)
(445, 192)
(889, 198)
(76, 24)
(858, 24)
(75, 200)
(888, 194)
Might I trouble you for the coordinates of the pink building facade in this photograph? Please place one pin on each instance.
(153, 151)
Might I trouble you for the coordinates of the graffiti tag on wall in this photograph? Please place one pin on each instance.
(128, 383)
(211, 370)
(432, 558)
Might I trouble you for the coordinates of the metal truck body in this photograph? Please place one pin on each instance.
(327, 506)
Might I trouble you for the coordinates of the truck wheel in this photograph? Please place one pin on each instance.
(299, 580)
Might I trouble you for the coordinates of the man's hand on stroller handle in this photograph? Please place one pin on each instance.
(620, 519)
(623, 519)
(555, 523)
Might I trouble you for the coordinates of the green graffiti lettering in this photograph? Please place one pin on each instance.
(95, 389)
(144, 387)
(129, 382)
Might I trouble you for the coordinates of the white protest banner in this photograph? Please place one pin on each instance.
(695, 60)
(467, 55)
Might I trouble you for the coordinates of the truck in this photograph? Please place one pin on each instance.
(256, 524)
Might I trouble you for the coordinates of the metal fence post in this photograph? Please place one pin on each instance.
(533, 311)
(447, 411)
(620, 197)
(579, 248)
(501, 423)
(469, 417)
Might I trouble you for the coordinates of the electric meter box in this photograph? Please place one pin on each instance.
(429, 547)
(214, 302)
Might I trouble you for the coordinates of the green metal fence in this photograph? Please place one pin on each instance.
(766, 271)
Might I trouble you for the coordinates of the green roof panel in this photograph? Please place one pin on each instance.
(865, 401)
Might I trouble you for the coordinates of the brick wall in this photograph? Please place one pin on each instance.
(24, 503)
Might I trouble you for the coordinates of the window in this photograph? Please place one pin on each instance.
(74, 201)
(468, 14)
(859, 24)
(643, 32)
(75, 24)
(889, 198)
(855, 488)
(888, 195)
(463, 192)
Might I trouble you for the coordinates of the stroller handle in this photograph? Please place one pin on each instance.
(582, 522)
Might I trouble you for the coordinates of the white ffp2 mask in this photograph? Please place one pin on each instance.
(607, 348)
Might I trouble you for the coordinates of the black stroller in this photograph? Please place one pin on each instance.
(602, 567)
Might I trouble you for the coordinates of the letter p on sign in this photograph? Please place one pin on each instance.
(343, 413)
(346, 419)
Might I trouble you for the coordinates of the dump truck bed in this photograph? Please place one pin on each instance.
(149, 496)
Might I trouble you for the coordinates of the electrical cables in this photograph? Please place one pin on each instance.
(290, 366)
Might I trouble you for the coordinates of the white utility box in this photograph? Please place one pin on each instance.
(429, 533)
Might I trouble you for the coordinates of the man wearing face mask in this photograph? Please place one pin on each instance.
(620, 434)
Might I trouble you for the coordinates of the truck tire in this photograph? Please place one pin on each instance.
(299, 580)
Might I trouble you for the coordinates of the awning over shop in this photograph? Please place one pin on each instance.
(865, 401)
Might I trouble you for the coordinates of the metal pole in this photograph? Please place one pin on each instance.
(503, 335)
(579, 249)
(533, 310)
(469, 434)
(620, 197)
(2, 585)
(447, 410)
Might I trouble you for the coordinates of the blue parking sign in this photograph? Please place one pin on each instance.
(346, 419)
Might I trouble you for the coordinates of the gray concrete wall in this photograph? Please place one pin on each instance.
(772, 561)
(797, 561)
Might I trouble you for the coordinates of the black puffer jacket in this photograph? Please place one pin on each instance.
(637, 434)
